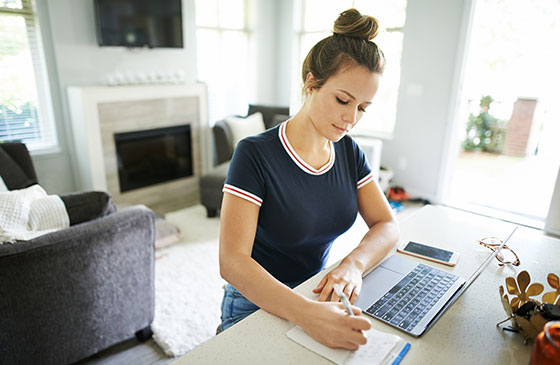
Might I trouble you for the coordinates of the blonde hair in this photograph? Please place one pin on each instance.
(351, 42)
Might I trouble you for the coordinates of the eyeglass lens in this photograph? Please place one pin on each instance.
(506, 255)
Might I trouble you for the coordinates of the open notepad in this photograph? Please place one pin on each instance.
(381, 348)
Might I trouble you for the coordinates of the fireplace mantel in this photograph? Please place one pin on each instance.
(99, 112)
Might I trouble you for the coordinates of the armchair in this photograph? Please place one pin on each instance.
(68, 294)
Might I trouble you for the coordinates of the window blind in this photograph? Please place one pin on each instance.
(25, 108)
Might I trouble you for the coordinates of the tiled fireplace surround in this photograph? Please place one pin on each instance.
(99, 112)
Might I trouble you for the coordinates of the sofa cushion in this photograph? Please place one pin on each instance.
(13, 175)
(223, 142)
(268, 112)
(245, 127)
(83, 207)
(279, 118)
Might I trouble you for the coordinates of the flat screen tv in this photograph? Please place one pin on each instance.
(139, 23)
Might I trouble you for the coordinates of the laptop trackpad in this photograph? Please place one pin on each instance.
(376, 284)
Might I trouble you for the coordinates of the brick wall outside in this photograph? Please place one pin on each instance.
(519, 127)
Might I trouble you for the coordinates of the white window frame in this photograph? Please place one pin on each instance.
(48, 142)
(296, 95)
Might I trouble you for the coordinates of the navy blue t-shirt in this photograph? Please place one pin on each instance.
(302, 209)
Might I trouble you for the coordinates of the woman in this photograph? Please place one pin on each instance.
(293, 189)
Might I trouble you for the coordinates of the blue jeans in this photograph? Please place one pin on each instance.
(236, 307)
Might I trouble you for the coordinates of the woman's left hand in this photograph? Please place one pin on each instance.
(348, 276)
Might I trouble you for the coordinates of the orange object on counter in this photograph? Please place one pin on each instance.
(546, 350)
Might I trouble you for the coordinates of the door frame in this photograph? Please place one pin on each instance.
(451, 145)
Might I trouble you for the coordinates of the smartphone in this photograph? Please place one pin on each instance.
(431, 253)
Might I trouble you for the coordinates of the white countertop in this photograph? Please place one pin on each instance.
(465, 334)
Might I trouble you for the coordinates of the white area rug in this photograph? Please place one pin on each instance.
(188, 286)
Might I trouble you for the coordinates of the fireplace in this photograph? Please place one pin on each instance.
(100, 113)
(154, 156)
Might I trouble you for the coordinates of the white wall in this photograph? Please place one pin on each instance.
(54, 170)
(82, 62)
(432, 42)
(262, 25)
(432, 53)
(76, 60)
(271, 34)
(285, 51)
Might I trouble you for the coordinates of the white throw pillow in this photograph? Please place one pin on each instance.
(3, 186)
(245, 127)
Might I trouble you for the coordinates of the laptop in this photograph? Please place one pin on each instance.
(411, 296)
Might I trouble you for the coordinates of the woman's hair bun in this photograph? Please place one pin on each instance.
(353, 24)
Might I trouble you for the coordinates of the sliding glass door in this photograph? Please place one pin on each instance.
(508, 124)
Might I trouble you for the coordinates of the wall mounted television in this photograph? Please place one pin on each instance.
(139, 23)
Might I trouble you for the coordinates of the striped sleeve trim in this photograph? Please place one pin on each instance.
(365, 180)
(242, 194)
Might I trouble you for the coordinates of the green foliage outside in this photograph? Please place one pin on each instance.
(484, 131)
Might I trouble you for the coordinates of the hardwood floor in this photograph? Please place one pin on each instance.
(130, 352)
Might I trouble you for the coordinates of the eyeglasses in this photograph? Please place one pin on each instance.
(506, 256)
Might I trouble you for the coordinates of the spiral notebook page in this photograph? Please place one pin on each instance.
(381, 348)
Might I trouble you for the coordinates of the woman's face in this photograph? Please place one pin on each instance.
(340, 103)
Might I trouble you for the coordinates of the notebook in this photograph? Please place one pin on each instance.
(411, 296)
(381, 348)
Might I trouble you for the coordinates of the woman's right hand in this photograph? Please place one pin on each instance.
(330, 324)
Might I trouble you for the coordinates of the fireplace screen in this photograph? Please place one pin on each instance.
(153, 156)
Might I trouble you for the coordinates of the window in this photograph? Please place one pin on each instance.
(25, 108)
(314, 21)
(509, 163)
(223, 55)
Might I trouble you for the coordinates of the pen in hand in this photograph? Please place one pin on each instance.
(343, 299)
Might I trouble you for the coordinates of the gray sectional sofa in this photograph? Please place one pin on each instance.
(69, 294)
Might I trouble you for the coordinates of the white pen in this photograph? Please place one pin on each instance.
(343, 299)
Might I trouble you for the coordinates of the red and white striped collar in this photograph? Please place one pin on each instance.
(298, 160)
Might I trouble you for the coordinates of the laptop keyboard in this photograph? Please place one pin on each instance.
(408, 302)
